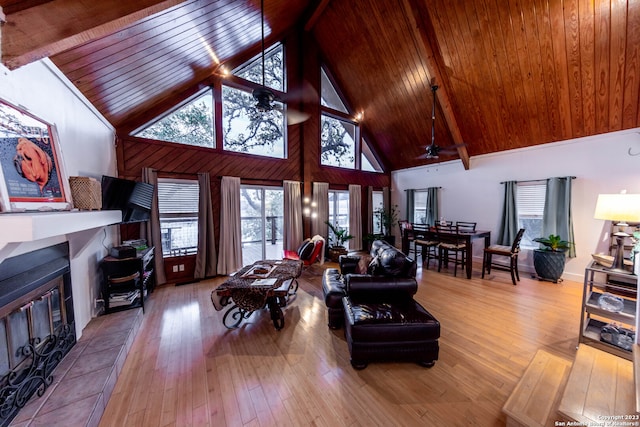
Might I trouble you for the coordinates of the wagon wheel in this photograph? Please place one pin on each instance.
(234, 316)
(277, 316)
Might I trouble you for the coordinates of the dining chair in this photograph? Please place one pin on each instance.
(451, 248)
(427, 244)
(466, 226)
(406, 231)
(504, 251)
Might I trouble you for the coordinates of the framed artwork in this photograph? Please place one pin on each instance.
(31, 169)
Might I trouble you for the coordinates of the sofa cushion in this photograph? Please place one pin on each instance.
(407, 321)
(391, 261)
(333, 288)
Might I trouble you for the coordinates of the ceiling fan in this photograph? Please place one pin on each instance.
(265, 97)
(433, 151)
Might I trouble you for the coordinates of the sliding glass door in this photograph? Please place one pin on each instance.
(261, 212)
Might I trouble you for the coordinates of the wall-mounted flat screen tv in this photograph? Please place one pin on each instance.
(133, 198)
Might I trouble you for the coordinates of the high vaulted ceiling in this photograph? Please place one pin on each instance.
(511, 73)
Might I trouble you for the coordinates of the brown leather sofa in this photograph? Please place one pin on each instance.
(382, 320)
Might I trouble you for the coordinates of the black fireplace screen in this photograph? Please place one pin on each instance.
(36, 324)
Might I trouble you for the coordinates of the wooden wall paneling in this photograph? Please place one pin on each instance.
(558, 27)
(587, 63)
(75, 24)
(455, 59)
(632, 69)
(483, 71)
(548, 67)
(189, 266)
(132, 35)
(534, 114)
(617, 57)
(135, 40)
(572, 45)
(430, 70)
(475, 69)
(602, 63)
(487, 20)
(534, 55)
(508, 54)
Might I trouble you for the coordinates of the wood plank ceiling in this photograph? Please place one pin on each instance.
(511, 73)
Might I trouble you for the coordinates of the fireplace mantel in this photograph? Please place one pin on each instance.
(23, 227)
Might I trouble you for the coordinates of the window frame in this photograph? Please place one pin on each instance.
(424, 208)
(347, 117)
(356, 139)
(336, 204)
(236, 85)
(277, 242)
(376, 223)
(190, 250)
(174, 109)
(530, 234)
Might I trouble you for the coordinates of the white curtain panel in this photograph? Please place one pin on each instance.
(355, 217)
(292, 216)
(230, 257)
(150, 230)
(206, 258)
(321, 201)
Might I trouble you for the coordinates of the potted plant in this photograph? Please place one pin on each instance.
(337, 238)
(549, 259)
(388, 217)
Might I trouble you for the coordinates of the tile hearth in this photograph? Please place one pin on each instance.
(84, 380)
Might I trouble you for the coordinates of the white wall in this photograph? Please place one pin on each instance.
(87, 145)
(601, 164)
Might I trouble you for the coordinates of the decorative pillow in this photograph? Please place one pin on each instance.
(305, 250)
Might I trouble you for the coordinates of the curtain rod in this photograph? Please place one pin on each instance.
(419, 189)
(538, 180)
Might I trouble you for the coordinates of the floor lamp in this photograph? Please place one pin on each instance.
(619, 208)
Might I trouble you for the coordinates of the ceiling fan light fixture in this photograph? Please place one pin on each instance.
(264, 97)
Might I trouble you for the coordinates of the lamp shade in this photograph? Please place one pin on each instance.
(618, 207)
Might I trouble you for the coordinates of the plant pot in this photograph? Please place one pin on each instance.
(335, 252)
(549, 265)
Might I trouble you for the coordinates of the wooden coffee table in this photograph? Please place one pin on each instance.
(271, 284)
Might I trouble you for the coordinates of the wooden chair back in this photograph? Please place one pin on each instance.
(466, 226)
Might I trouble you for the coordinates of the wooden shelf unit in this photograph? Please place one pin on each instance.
(597, 281)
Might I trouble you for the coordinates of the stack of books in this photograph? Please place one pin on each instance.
(123, 298)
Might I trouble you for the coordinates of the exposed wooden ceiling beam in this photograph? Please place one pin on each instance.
(52, 27)
(317, 13)
(418, 16)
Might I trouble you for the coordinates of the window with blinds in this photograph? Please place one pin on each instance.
(530, 203)
(178, 208)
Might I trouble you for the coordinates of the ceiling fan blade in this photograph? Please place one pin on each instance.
(302, 93)
(295, 117)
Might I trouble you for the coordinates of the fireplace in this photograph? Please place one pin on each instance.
(36, 324)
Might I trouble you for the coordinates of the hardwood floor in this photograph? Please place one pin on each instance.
(187, 369)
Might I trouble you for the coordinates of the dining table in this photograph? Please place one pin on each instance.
(430, 233)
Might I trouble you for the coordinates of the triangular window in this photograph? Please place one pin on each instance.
(368, 161)
(190, 123)
(330, 97)
(274, 77)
